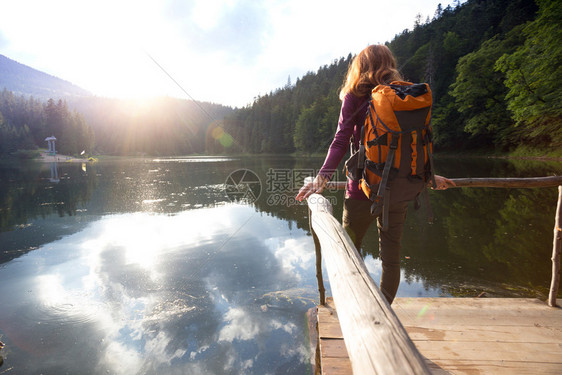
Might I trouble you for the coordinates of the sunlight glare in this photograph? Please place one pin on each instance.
(145, 237)
(51, 289)
(142, 250)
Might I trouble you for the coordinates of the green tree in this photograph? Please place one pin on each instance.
(533, 76)
(316, 125)
(306, 129)
(479, 92)
(431, 52)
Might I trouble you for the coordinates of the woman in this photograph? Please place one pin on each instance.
(373, 66)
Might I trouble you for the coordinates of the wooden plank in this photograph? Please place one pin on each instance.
(433, 320)
(334, 366)
(484, 333)
(474, 303)
(495, 367)
(491, 351)
(328, 312)
(333, 353)
(376, 341)
(328, 323)
(432, 312)
(330, 330)
(333, 348)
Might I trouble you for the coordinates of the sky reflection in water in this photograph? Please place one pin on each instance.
(213, 290)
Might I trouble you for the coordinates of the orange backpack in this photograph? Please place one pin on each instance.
(396, 141)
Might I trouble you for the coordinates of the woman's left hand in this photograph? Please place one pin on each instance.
(316, 186)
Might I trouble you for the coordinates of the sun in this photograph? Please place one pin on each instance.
(133, 75)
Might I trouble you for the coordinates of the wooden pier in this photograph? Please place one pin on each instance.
(463, 335)
(365, 335)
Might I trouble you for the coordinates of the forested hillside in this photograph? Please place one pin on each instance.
(493, 65)
(165, 126)
(26, 122)
(296, 116)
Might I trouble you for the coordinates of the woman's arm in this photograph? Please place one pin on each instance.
(338, 148)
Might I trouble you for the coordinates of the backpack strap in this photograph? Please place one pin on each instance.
(357, 154)
(382, 200)
(414, 148)
(430, 155)
(379, 137)
(361, 160)
(385, 206)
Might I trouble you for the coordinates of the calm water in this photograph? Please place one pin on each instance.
(171, 266)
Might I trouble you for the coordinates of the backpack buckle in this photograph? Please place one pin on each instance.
(376, 207)
(394, 142)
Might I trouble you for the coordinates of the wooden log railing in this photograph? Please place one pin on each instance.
(376, 341)
(531, 182)
(556, 248)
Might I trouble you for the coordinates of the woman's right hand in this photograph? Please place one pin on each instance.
(316, 186)
(443, 183)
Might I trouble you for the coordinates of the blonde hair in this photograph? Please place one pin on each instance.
(373, 66)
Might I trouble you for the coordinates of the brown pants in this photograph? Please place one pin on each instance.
(357, 219)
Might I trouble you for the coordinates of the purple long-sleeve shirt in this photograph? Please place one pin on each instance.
(352, 116)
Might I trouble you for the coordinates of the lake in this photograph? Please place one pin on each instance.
(205, 265)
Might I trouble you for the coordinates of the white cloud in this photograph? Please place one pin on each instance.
(240, 326)
(292, 253)
(374, 266)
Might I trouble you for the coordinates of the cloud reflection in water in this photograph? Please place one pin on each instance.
(150, 293)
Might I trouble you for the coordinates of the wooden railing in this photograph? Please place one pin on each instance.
(376, 341)
(532, 182)
(556, 248)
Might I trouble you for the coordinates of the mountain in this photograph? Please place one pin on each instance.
(24, 80)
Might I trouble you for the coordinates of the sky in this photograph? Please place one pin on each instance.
(221, 51)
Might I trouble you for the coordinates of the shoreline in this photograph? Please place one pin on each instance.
(45, 157)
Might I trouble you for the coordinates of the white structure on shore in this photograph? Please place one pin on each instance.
(51, 140)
